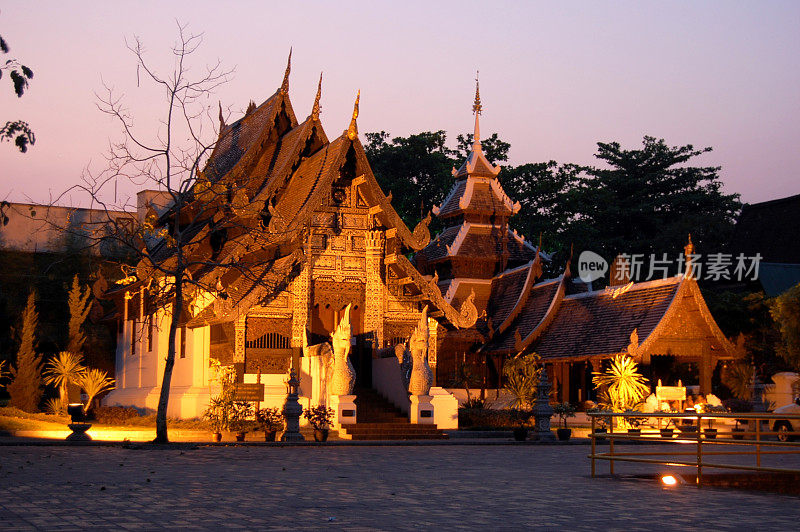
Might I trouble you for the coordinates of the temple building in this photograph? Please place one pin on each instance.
(338, 249)
(335, 298)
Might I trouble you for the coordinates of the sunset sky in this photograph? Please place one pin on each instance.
(556, 77)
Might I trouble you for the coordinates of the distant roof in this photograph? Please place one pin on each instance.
(778, 278)
(769, 228)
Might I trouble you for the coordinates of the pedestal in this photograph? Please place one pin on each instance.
(421, 409)
(542, 411)
(344, 407)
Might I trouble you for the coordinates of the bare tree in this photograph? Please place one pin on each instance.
(187, 252)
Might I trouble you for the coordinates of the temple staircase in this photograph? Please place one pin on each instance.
(378, 419)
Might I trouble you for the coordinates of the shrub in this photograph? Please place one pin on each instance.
(269, 419)
(319, 416)
(476, 418)
(55, 406)
(115, 415)
(26, 388)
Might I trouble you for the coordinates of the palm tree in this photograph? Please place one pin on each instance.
(63, 369)
(626, 386)
(94, 382)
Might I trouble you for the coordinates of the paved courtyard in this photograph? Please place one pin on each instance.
(349, 487)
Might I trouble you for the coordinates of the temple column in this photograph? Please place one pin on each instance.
(301, 290)
(433, 327)
(240, 331)
(374, 288)
(705, 371)
(565, 367)
(597, 367)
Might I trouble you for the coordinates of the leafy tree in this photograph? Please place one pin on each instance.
(415, 169)
(495, 150)
(647, 200)
(26, 387)
(64, 369)
(785, 310)
(79, 306)
(623, 383)
(522, 379)
(94, 382)
(20, 75)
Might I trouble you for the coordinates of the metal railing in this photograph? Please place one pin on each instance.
(739, 442)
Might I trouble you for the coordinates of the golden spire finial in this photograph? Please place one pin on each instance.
(221, 118)
(476, 109)
(316, 109)
(352, 131)
(285, 84)
(688, 255)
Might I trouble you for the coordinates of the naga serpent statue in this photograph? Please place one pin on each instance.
(421, 374)
(344, 376)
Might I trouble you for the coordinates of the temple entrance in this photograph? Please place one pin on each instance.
(361, 359)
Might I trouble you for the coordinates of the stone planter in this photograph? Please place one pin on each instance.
(688, 430)
(666, 433)
(216, 436)
(563, 434)
(634, 432)
(321, 435)
(738, 436)
(269, 435)
(599, 432)
(520, 433)
(710, 434)
(240, 436)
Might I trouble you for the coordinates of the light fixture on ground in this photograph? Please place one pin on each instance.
(78, 425)
(670, 479)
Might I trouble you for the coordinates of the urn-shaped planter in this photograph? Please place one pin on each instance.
(564, 434)
(321, 435)
(520, 433)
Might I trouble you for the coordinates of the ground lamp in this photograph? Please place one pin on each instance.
(78, 425)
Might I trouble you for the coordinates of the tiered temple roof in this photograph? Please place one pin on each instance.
(281, 171)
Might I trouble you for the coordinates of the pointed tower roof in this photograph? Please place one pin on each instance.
(476, 163)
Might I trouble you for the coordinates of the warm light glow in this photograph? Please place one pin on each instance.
(669, 480)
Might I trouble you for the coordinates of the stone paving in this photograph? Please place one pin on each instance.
(356, 488)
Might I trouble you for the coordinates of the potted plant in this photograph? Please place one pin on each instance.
(741, 406)
(240, 419)
(563, 411)
(270, 420)
(218, 413)
(711, 433)
(520, 418)
(320, 418)
(601, 422)
(634, 422)
(666, 432)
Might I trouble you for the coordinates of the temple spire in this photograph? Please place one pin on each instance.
(285, 84)
(352, 131)
(316, 109)
(476, 109)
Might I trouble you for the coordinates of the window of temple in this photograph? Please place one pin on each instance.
(150, 333)
(133, 337)
(183, 342)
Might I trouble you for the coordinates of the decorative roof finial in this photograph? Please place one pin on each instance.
(221, 118)
(285, 84)
(476, 109)
(316, 109)
(352, 131)
(688, 255)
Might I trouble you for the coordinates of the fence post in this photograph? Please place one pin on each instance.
(593, 443)
(758, 445)
(699, 451)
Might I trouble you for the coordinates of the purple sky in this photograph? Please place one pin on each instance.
(556, 77)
